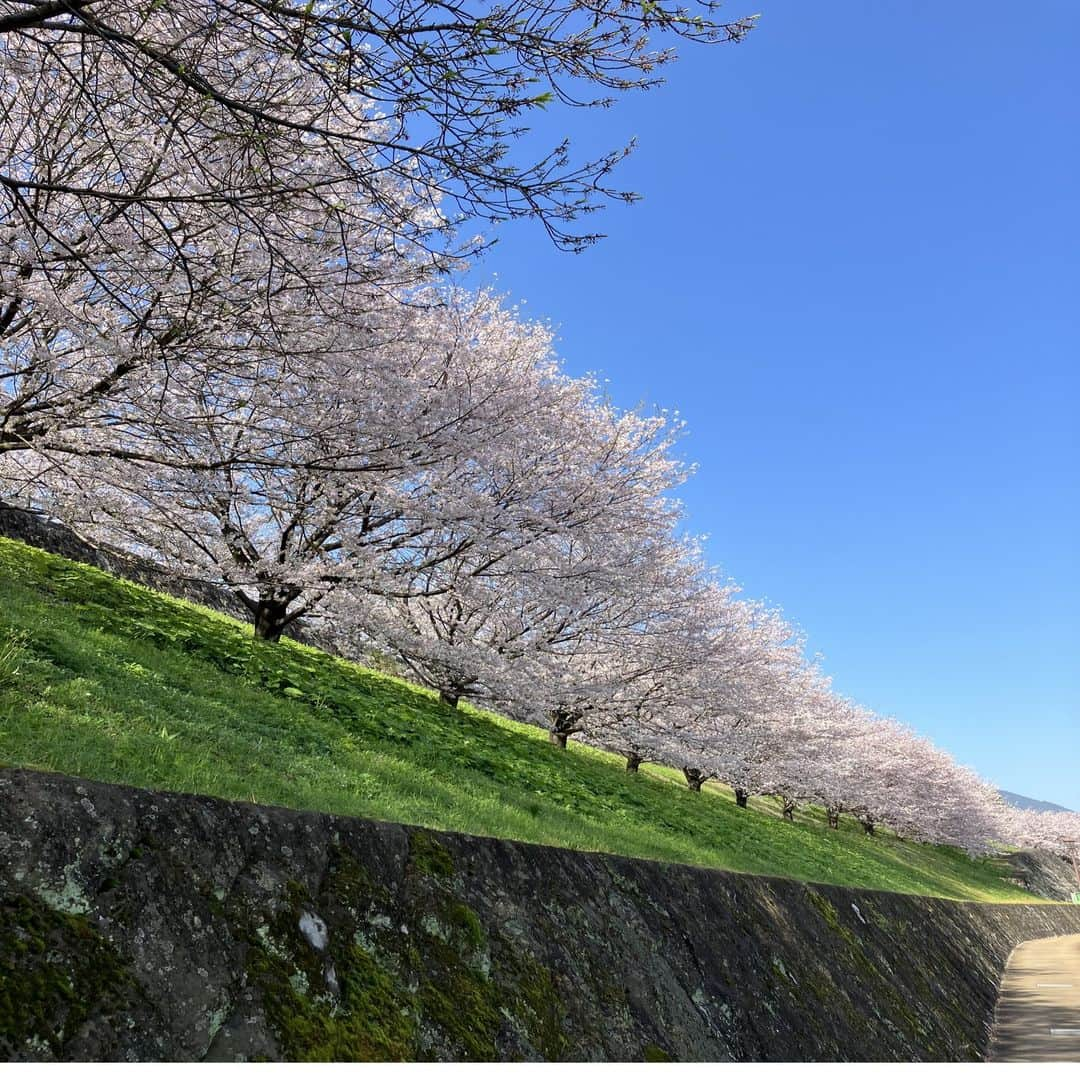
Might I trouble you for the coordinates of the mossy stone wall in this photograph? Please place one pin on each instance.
(150, 926)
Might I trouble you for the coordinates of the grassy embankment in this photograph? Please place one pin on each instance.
(107, 680)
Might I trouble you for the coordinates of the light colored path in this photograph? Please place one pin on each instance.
(1038, 1009)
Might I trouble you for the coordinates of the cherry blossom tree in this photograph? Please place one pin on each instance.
(735, 715)
(327, 459)
(178, 175)
(881, 772)
(553, 535)
(773, 750)
(101, 305)
(700, 691)
(621, 683)
(1055, 831)
(242, 91)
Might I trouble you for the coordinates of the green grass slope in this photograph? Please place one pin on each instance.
(107, 680)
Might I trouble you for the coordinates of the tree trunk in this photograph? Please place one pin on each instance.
(868, 827)
(633, 761)
(789, 809)
(271, 618)
(741, 797)
(450, 697)
(833, 817)
(562, 723)
(694, 778)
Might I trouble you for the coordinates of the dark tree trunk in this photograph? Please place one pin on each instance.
(633, 761)
(789, 810)
(694, 778)
(450, 697)
(833, 817)
(868, 827)
(271, 618)
(562, 724)
(741, 797)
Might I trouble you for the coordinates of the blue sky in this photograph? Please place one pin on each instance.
(854, 274)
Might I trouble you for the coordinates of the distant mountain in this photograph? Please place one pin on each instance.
(1022, 802)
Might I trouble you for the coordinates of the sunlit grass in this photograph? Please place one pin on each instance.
(111, 681)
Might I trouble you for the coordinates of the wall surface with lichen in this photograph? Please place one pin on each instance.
(138, 925)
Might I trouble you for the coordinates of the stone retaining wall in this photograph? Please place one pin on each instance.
(145, 926)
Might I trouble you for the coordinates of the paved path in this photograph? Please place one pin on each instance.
(1038, 1009)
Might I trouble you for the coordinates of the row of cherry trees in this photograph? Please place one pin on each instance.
(1057, 831)
(227, 342)
(428, 482)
